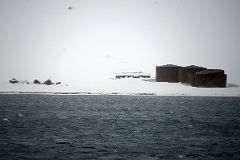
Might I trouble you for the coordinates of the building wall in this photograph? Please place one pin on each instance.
(184, 73)
(167, 74)
(209, 80)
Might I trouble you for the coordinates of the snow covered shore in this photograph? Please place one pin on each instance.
(128, 86)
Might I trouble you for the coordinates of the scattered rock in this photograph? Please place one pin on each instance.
(47, 82)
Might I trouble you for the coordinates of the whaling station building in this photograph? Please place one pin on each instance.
(185, 73)
(209, 78)
(167, 73)
(132, 75)
(194, 75)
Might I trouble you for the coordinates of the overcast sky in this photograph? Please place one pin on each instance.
(97, 38)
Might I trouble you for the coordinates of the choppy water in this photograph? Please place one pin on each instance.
(119, 127)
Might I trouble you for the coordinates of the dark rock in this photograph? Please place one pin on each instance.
(36, 81)
(48, 82)
(58, 83)
(13, 81)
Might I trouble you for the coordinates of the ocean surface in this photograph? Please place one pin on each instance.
(61, 127)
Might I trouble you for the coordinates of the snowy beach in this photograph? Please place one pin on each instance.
(129, 86)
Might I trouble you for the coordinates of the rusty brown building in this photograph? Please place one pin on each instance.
(209, 78)
(167, 73)
(184, 73)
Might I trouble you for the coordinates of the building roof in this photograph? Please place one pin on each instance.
(132, 74)
(193, 66)
(169, 65)
(210, 71)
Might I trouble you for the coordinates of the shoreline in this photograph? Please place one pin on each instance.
(116, 94)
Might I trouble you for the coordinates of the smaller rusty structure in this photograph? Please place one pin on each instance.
(184, 73)
(209, 78)
(167, 73)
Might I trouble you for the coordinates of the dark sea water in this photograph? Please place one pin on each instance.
(119, 127)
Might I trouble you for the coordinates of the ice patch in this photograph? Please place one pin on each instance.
(190, 126)
(20, 115)
(63, 141)
(180, 156)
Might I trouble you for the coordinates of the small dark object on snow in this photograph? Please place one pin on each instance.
(48, 82)
(26, 82)
(58, 83)
(36, 81)
(13, 81)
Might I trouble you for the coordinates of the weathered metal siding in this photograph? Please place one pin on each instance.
(167, 74)
(217, 79)
(184, 73)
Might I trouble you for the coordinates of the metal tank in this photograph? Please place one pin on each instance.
(184, 73)
(167, 73)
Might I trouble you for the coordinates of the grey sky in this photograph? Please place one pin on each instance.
(97, 38)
